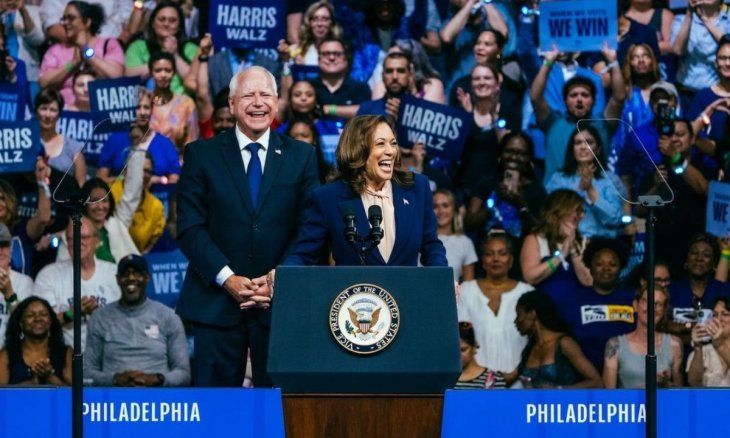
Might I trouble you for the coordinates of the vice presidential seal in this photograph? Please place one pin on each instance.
(364, 318)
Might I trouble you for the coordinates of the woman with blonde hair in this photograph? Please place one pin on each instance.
(552, 252)
(317, 24)
(460, 250)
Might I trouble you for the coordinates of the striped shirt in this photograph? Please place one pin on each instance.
(488, 379)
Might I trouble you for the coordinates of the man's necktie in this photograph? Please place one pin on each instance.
(254, 172)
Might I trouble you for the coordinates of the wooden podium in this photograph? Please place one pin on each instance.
(366, 416)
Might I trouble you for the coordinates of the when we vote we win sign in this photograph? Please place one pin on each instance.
(578, 25)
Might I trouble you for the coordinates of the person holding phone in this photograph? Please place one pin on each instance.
(709, 363)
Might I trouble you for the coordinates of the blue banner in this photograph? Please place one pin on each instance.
(300, 72)
(578, 25)
(143, 413)
(442, 129)
(167, 270)
(249, 24)
(20, 145)
(11, 108)
(583, 413)
(114, 102)
(718, 204)
(82, 126)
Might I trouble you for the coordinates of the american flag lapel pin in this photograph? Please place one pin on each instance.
(405, 202)
(278, 151)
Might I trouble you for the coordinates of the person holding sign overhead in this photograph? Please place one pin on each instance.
(82, 50)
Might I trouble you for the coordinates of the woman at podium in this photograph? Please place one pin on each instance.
(373, 213)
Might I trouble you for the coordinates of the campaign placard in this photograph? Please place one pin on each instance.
(249, 24)
(441, 128)
(20, 145)
(578, 25)
(300, 72)
(11, 109)
(167, 272)
(82, 126)
(114, 102)
(718, 204)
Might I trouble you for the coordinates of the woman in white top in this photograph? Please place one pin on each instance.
(709, 364)
(460, 251)
(490, 305)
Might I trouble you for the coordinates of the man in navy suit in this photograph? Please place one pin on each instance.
(239, 198)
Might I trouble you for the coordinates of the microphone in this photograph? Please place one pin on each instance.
(375, 217)
(350, 230)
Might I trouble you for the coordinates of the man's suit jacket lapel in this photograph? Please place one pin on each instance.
(404, 206)
(274, 160)
(234, 162)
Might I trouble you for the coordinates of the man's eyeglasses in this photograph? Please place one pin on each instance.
(332, 54)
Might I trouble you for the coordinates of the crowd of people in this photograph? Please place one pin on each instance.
(538, 214)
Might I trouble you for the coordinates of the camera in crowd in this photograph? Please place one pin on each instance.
(665, 116)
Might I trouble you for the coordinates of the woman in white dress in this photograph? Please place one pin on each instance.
(490, 305)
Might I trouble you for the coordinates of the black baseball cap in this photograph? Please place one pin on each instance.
(133, 261)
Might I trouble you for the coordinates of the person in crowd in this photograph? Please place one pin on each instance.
(80, 84)
(481, 146)
(116, 149)
(694, 37)
(209, 213)
(27, 231)
(141, 15)
(488, 50)
(489, 303)
(640, 71)
(461, 30)
(426, 80)
(54, 282)
(625, 357)
(82, 49)
(579, 95)
(696, 289)
(60, 152)
(597, 313)
(303, 129)
(136, 341)
(368, 174)
(473, 375)
(551, 358)
(706, 120)
(415, 159)
(658, 19)
(460, 251)
(709, 363)
(34, 351)
(584, 171)
(114, 14)
(399, 81)
(303, 104)
(511, 197)
(14, 286)
(22, 34)
(552, 254)
(318, 23)
(165, 32)
(339, 95)
(173, 115)
(689, 183)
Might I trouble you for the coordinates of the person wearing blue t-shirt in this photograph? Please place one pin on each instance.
(597, 313)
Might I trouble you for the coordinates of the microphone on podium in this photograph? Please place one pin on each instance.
(350, 230)
(375, 217)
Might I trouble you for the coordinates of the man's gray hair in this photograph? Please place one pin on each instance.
(233, 85)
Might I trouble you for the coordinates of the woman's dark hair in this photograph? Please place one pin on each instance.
(97, 183)
(546, 312)
(499, 38)
(571, 165)
(725, 40)
(323, 168)
(159, 56)
(80, 73)
(496, 234)
(529, 170)
(708, 239)
(89, 11)
(151, 39)
(353, 151)
(46, 96)
(315, 114)
(724, 299)
(466, 333)
(598, 244)
(14, 343)
(371, 13)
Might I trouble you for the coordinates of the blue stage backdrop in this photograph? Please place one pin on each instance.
(143, 413)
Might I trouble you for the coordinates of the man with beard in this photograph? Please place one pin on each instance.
(579, 96)
(136, 341)
(596, 314)
(398, 81)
